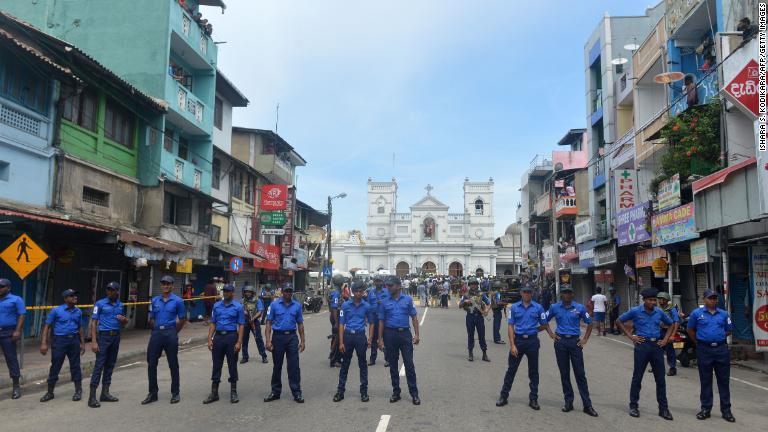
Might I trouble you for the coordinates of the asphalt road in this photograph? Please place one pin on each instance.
(456, 394)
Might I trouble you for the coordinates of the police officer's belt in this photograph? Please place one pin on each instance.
(160, 328)
(400, 329)
(353, 331)
(69, 336)
(565, 336)
(109, 332)
(285, 332)
(224, 332)
(524, 336)
(712, 344)
(651, 339)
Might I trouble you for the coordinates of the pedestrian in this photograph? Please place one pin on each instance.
(209, 292)
(283, 319)
(499, 308)
(334, 303)
(526, 319)
(615, 305)
(225, 337)
(395, 334)
(353, 319)
(421, 291)
(167, 317)
(68, 341)
(254, 309)
(546, 297)
(710, 327)
(12, 314)
(106, 320)
(649, 344)
(673, 312)
(599, 302)
(375, 297)
(477, 307)
(569, 347)
(187, 295)
(445, 294)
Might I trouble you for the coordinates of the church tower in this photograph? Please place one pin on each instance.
(382, 202)
(478, 204)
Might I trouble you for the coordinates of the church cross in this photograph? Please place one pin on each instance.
(429, 189)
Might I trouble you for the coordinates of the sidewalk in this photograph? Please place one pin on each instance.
(753, 365)
(133, 346)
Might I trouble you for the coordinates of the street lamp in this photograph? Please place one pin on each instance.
(328, 234)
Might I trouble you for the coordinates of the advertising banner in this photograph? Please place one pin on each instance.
(290, 204)
(674, 226)
(699, 252)
(549, 262)
(759, 261)
(274, 218)
(646, 257)
(272, 254)
(632, 224)
(605, 255)
(625, 182)
(583, 231)
(587, 254)
(669, 193)
(273, 197)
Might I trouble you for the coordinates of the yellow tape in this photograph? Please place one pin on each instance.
(34, 308)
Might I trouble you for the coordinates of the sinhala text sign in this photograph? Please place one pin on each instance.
(759, 261)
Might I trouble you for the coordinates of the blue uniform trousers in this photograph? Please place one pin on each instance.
(256, 330)
(645, 353)
(525, 347)
(285, 346)
(106, 358)
(717, 360)
(163, 341)
(475, 321)
(669, 350)
(567, 353)
(375, 341)
(8, 345)
(65, 347)
(354, 343)
(224, 346)
(335, 355)
(398, 342)
(497, 325)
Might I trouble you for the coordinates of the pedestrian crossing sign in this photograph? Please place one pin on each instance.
(23, 256)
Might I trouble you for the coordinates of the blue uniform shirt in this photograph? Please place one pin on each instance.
(375, 297)
(710, 327)
(259, 305)
(646, 324)
(106, 312)
(395, 313)
(333, 299)
(498, 297)
(567, 318)
(284, 316)
(527, 320)
(164, 313)
(354, 316)
(11, 308)
(65, 321)
(227, 316)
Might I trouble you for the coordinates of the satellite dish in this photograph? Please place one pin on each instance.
(632, 47)
(668, 77)
(619, 61)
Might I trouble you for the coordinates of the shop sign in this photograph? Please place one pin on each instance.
(270, 252)
(743, 90)
(625, 185)
(287, 246)
(660, 267)
(759, 261)
(605, 255)
(549, 263)
(645, 257)
(301, 258)
(272, 231)
(583, 231)
(275, 218)
(587, 254)
(674, 226)
(699, 252)
(273, 197)
(632, 224)
(184, 266)
(669, 193)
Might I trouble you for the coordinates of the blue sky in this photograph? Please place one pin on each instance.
(453, 89)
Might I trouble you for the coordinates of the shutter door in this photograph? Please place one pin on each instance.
(702, 283)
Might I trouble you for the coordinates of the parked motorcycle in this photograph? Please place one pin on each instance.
(683, 345)
(312, 303)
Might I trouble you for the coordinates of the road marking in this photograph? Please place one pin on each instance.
(421, 323)
(383, 423)
(618, 341)
(129, 365)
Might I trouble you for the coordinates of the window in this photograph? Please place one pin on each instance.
(216, 173)
(97, 197)
(177, 210)
(237, 185)
(204, 217)
(5, 171)
(81, 109)
(249, 190)
(479, 207)
(218, 113)
(215, 233)
(21, 85)
(118, 124)
(183, 149)
(168, 140)
(380, 210)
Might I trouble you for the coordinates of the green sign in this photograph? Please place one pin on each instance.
(272, 218)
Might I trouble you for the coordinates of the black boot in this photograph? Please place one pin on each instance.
(16, 389)
(471, 357)
(106, 396)
(485, 357)
(214, 396)
(233, 397)
(78, 391)
(92, 402)
(49, 394)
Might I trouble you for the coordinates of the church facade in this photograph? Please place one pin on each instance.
(430, 238)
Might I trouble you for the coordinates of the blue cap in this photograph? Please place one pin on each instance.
(113, 286)
(228, 287)
(526, 288)
(378, 277)
(710, 293)
(566, 288)
(69, 292)
(649, 293)
(166, 279)
(5, 282)
(392, 281)
(359, 286)
(288, 287)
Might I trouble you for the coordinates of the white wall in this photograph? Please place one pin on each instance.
(223, 138)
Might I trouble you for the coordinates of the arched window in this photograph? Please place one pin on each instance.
(478, 206)
(380, 205)
(429, 229)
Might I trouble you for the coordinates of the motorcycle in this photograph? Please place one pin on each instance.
(312, 303)
(683, 345)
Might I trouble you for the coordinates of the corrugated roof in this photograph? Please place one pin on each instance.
(229, 91)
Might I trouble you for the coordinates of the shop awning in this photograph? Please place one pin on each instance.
(720, 176)
(49, 219)
(234, 250)
(153, 242)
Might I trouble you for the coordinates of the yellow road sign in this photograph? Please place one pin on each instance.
(23, 256)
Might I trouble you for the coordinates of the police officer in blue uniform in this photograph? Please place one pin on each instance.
(664, 300)
(395, 334)
(475, 319)
(167, 316)
(526, 319)
(225, 337)
(569, 346)
(284, 317)
(499, 308)
(107, 318)
(375, 296)
(710, 326)
(267, 296)
(334, 305)
(254, 312)
(68, 341)
(353, 319)
(12, 313)
(649, 348)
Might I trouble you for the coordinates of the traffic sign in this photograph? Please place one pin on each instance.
(272, 218)
(327, 271)
(272, 231)
(24, 256)
(236, 264)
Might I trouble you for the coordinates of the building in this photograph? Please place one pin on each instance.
(427, 240)
(509, 256)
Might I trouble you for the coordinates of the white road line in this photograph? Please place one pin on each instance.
(618, 341)
(129, 365)
(383, 423)
(421, 323)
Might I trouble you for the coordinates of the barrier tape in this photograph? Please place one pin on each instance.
(87, 306)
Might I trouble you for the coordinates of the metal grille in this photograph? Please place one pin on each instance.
(97, 197)
(19, 120)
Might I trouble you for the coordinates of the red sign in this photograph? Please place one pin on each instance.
(743, 89)
(272, 254)
(273, 197)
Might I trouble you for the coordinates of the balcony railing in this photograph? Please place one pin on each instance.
(604, 230)
(189, 106)
(566, 206)
(187, 30)
(401, 217)
(597, 100)
(455, 217)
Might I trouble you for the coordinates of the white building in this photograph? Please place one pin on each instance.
(429, 238)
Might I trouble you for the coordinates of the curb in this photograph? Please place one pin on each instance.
(751, 368)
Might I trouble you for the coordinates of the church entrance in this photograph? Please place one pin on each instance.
(429, 268)
(402, 269)
(456, 269)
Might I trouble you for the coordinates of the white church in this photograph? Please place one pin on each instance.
(429, 239)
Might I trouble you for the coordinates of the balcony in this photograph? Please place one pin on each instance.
(455, 217)
(566, 206)
(543, 204)
(189, 41)
(275, 168)
(540, 165)
(401, 217)
(599, 174)
(187, 111)
(604, 231)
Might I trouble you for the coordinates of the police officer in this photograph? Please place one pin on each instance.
(254, 310)
(68, 342)
(107, 317)
(526, 319)
(267, 295)
(12, 314)
(395, 334)
(569, 347)
(334, 303)
(167, 317)
(375, 296)
(646, 320)
(499, 308)
(710, 326)
(475, 319)
(284, 317)
(673, 312)
(353, 318)
(225, 337)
